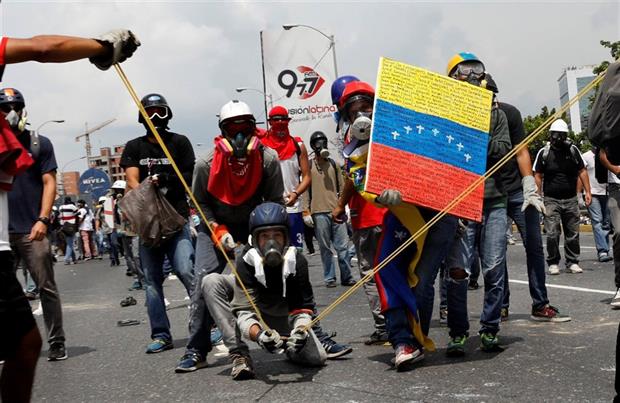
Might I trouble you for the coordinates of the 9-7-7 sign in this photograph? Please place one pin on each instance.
(308, 84)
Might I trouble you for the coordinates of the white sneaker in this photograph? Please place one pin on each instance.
(554, 269)
(574, 268)
(615, 301)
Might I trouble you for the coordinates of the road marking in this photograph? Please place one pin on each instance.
(566, 287)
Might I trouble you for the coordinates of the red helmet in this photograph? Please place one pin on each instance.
(356, 89)
(278, 111)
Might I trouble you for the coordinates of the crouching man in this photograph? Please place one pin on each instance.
(275, 276)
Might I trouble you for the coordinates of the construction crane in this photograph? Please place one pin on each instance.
(87, 133)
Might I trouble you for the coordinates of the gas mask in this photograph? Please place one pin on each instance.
(17, 122)
(320, 147)
(279, 127)
(239, 143)
(271, 249)
(360, 128)
(559, 140)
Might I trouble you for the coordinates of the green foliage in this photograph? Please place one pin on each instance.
(531, 123)
(614, 50)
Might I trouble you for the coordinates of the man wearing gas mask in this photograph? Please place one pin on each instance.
(366, 218)
(557, 167)
(30, 205)
(228, 182)
(325, 188)
(406, 284)
(295, 168)
(143, 158)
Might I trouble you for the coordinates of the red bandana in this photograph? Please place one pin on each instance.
(283, 145)
(234, 181)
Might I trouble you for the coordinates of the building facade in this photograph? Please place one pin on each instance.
(68, 183)
(571, 81)
(109, 161)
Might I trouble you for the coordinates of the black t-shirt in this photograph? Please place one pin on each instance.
(560, 170)
(25, 196)
(150, 159)
(511, 176)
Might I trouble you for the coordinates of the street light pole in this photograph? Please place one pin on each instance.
(332, 41)
(265, 96)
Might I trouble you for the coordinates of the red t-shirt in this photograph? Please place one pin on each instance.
(365, 214)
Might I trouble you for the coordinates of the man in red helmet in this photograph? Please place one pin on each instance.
(295, 168)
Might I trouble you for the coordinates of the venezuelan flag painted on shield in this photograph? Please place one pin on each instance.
(429, 138)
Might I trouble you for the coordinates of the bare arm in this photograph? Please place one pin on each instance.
(133, 178)
(525, 162)
(306, 178)
(39, 229)
(345, 196)
(583, 175)
(52, 49)
(614, 169)
(538, 177)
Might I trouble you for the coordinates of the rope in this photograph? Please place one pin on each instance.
(188, 190)
(456, 201)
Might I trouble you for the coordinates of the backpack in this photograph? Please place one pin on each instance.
(600, 172)
(604, 119)
(574, 152)
(35, 145)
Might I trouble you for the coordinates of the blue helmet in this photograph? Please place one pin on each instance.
(268, 214)
(338, 87)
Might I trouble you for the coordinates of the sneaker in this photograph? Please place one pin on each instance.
(473, 285)
(335, 350)
(31, 296)
(220, 350)
(87, 258)
(511, 241)
(57, 352)
(129, 273)
(503, 314)
(554, 269)
(377, 337)
(190, 362)
(615, 301)
(159, 345)
(550, 313)
(216, 336)
(136, 286)
(574, 268)
(241, 367)
(456, 346)
(348, 283)
(443, 316)
(406, 355)
(490, 343)
(604, 257)
(330, 284)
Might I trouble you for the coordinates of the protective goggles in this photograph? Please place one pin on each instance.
(465, 69)
(6, 108)
(157, 112)
(279, 119)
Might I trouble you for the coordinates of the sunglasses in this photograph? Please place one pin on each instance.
(279, 119)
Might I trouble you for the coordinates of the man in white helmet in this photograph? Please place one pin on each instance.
(557, 168)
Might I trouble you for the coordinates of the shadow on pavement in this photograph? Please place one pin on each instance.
(73, 351)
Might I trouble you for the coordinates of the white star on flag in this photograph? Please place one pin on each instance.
(435, 132)
(420, 128)
(395, 134)
(408, 129)
(460, 146)
(400, 235)
(450, 138)
(467, 157)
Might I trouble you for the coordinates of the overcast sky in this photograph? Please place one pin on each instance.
(196, 53)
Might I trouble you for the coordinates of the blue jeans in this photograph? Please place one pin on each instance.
(436, 246)
(180, 252)
(599, 214)
(114, 246)
(491, 233)
(328, 234)
(528, 224)
(69, 250)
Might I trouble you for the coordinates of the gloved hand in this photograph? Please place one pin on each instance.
(389, 197)
(309, 221)
(297, 340)
(223, 237)
(531, 197)
(269, 340)
(121, 43)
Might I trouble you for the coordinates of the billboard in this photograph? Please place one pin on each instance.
(94, 182)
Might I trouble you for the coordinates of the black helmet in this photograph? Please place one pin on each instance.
(489, 83)
(270, 215)
(315, 137)
(11, 96)
(155, 100)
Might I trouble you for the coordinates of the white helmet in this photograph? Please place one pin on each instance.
(235, 109)
(119, 185)
(559, 126)
(102, 199)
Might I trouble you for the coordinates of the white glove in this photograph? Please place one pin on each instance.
(122, 44)
(297, 340)
(269, 340)
(309, 221)
(531, 197)
(228, 242)
(389, 197)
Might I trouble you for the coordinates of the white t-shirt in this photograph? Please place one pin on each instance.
(87, 219)
(597, 188)
(4, 221)
(291, 176)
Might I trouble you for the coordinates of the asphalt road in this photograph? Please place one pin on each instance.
(572, 361)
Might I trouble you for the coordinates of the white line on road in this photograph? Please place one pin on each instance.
(566, 287)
